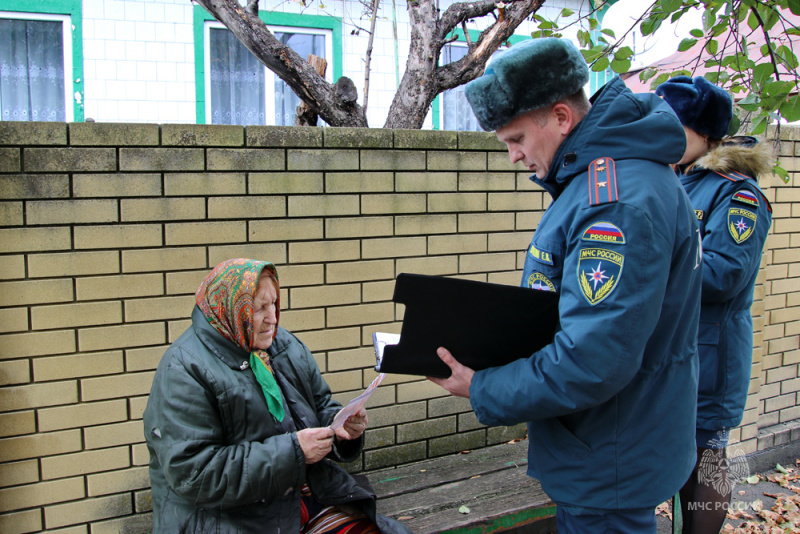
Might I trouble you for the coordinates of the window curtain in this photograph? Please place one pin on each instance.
(31, 70)
(237, 81)
(286, 101)
(456, 111)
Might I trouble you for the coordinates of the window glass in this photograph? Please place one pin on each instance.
(243, 90)
(456, 111)
(32, 70)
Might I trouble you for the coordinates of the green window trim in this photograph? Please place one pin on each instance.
(459, 34)
(74, 10)
(292, 20)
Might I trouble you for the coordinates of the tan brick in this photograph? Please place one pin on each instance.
(117, 386)
(516, 241)
(456, 244)
(119, 286)
(344, 381)
(426, 429)
(36, 344)
(393, 247)
(28, 186)
(358, 137)
(39, 395)
(116, 185)
(119, 481)
(144, 359)
(486, 181)
(420, 390)
(80, 415)
(17, 423)
(393, 204)
(331, 339)
(499, 161)
(475, 263)
(344, 227)
(21, 522)
(377, 291)
(133, 523)
(785, 255)
(200, 233)
(136, 406)
(122, 236)
(441, 266)
(479, 141)
(202, 135)
(162, 209)
(321, 160)
(163, 259)
(71, 211)
(161, 159)
(426, 181)
(111, 134)
(140, 454)
(39, 445)
(17, 473)
(784, 344)
(781, 373)
(75, 314)
(359, 271)
(485, 222)
(11, 214)
(13, 320)
(394, 160)
(351, 359)
(12, 267)
(33, 133)
(446, 406)
(89, 510)
(456, 161)
(359, 182)
(35, 292)
(159, 308)
(515, 201)
(284, 183)
(205, 184)
(285, 229)
(73, 264)
(300, 275)
(77, 366)
(14, 372)
(272, 252)
(425, 139)
(70, 159)
(120, 337)
(323, 251)
(333, 295)
(246, 206)
(245, 159)
(302, 320)
(397, 414)
(323, 205)
(99, 437)
(360, 314)
(82, 463)
(426, 224)
(34, 239)
(187, 282)
(392, 456)
(176, 328)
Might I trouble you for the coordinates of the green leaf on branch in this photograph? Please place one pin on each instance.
(671, 5)
(709, 19)
(609, 32)
(697, 33)
(781, 172)
(794, 6)
(566, 12)
(762, 73)
(647, 73)
(621, 66)
(712, 46)
(790, 110)
(759, 125)
(686, 44)
(601, 64)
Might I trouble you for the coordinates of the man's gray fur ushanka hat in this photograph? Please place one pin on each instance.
(529, 75)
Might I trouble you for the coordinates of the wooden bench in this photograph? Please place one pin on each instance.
(491, 483)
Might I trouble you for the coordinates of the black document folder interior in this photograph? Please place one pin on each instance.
(481, 324)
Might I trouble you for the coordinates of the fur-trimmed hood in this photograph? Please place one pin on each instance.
(739, 154)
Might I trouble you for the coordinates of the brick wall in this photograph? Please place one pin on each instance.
(106, 230)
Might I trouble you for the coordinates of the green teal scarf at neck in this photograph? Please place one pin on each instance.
(266, 379)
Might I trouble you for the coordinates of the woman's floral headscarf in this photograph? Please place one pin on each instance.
(226, 299)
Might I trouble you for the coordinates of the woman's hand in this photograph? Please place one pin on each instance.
(316, 443)
(354, 426)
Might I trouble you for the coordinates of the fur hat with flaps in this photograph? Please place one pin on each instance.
(699, 104)
(529, 75)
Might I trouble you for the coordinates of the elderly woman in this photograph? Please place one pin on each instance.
(236, 423)
(721, 178)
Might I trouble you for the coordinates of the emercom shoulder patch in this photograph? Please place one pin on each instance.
(602, 181)
(741, 224)
(599, 271)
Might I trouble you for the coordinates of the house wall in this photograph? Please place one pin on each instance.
(139, 55)
(106, 231)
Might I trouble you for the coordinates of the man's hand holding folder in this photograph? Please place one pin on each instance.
(460, 375)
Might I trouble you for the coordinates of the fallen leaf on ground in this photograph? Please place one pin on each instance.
(463, 509)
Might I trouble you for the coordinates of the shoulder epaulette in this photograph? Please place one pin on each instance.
(733, 176)
(602, 182)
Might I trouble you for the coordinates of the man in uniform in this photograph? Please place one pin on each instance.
(610, 403)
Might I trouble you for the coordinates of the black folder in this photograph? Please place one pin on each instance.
(481, 324)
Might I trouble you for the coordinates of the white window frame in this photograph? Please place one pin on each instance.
(66, 35)
(269, 76)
